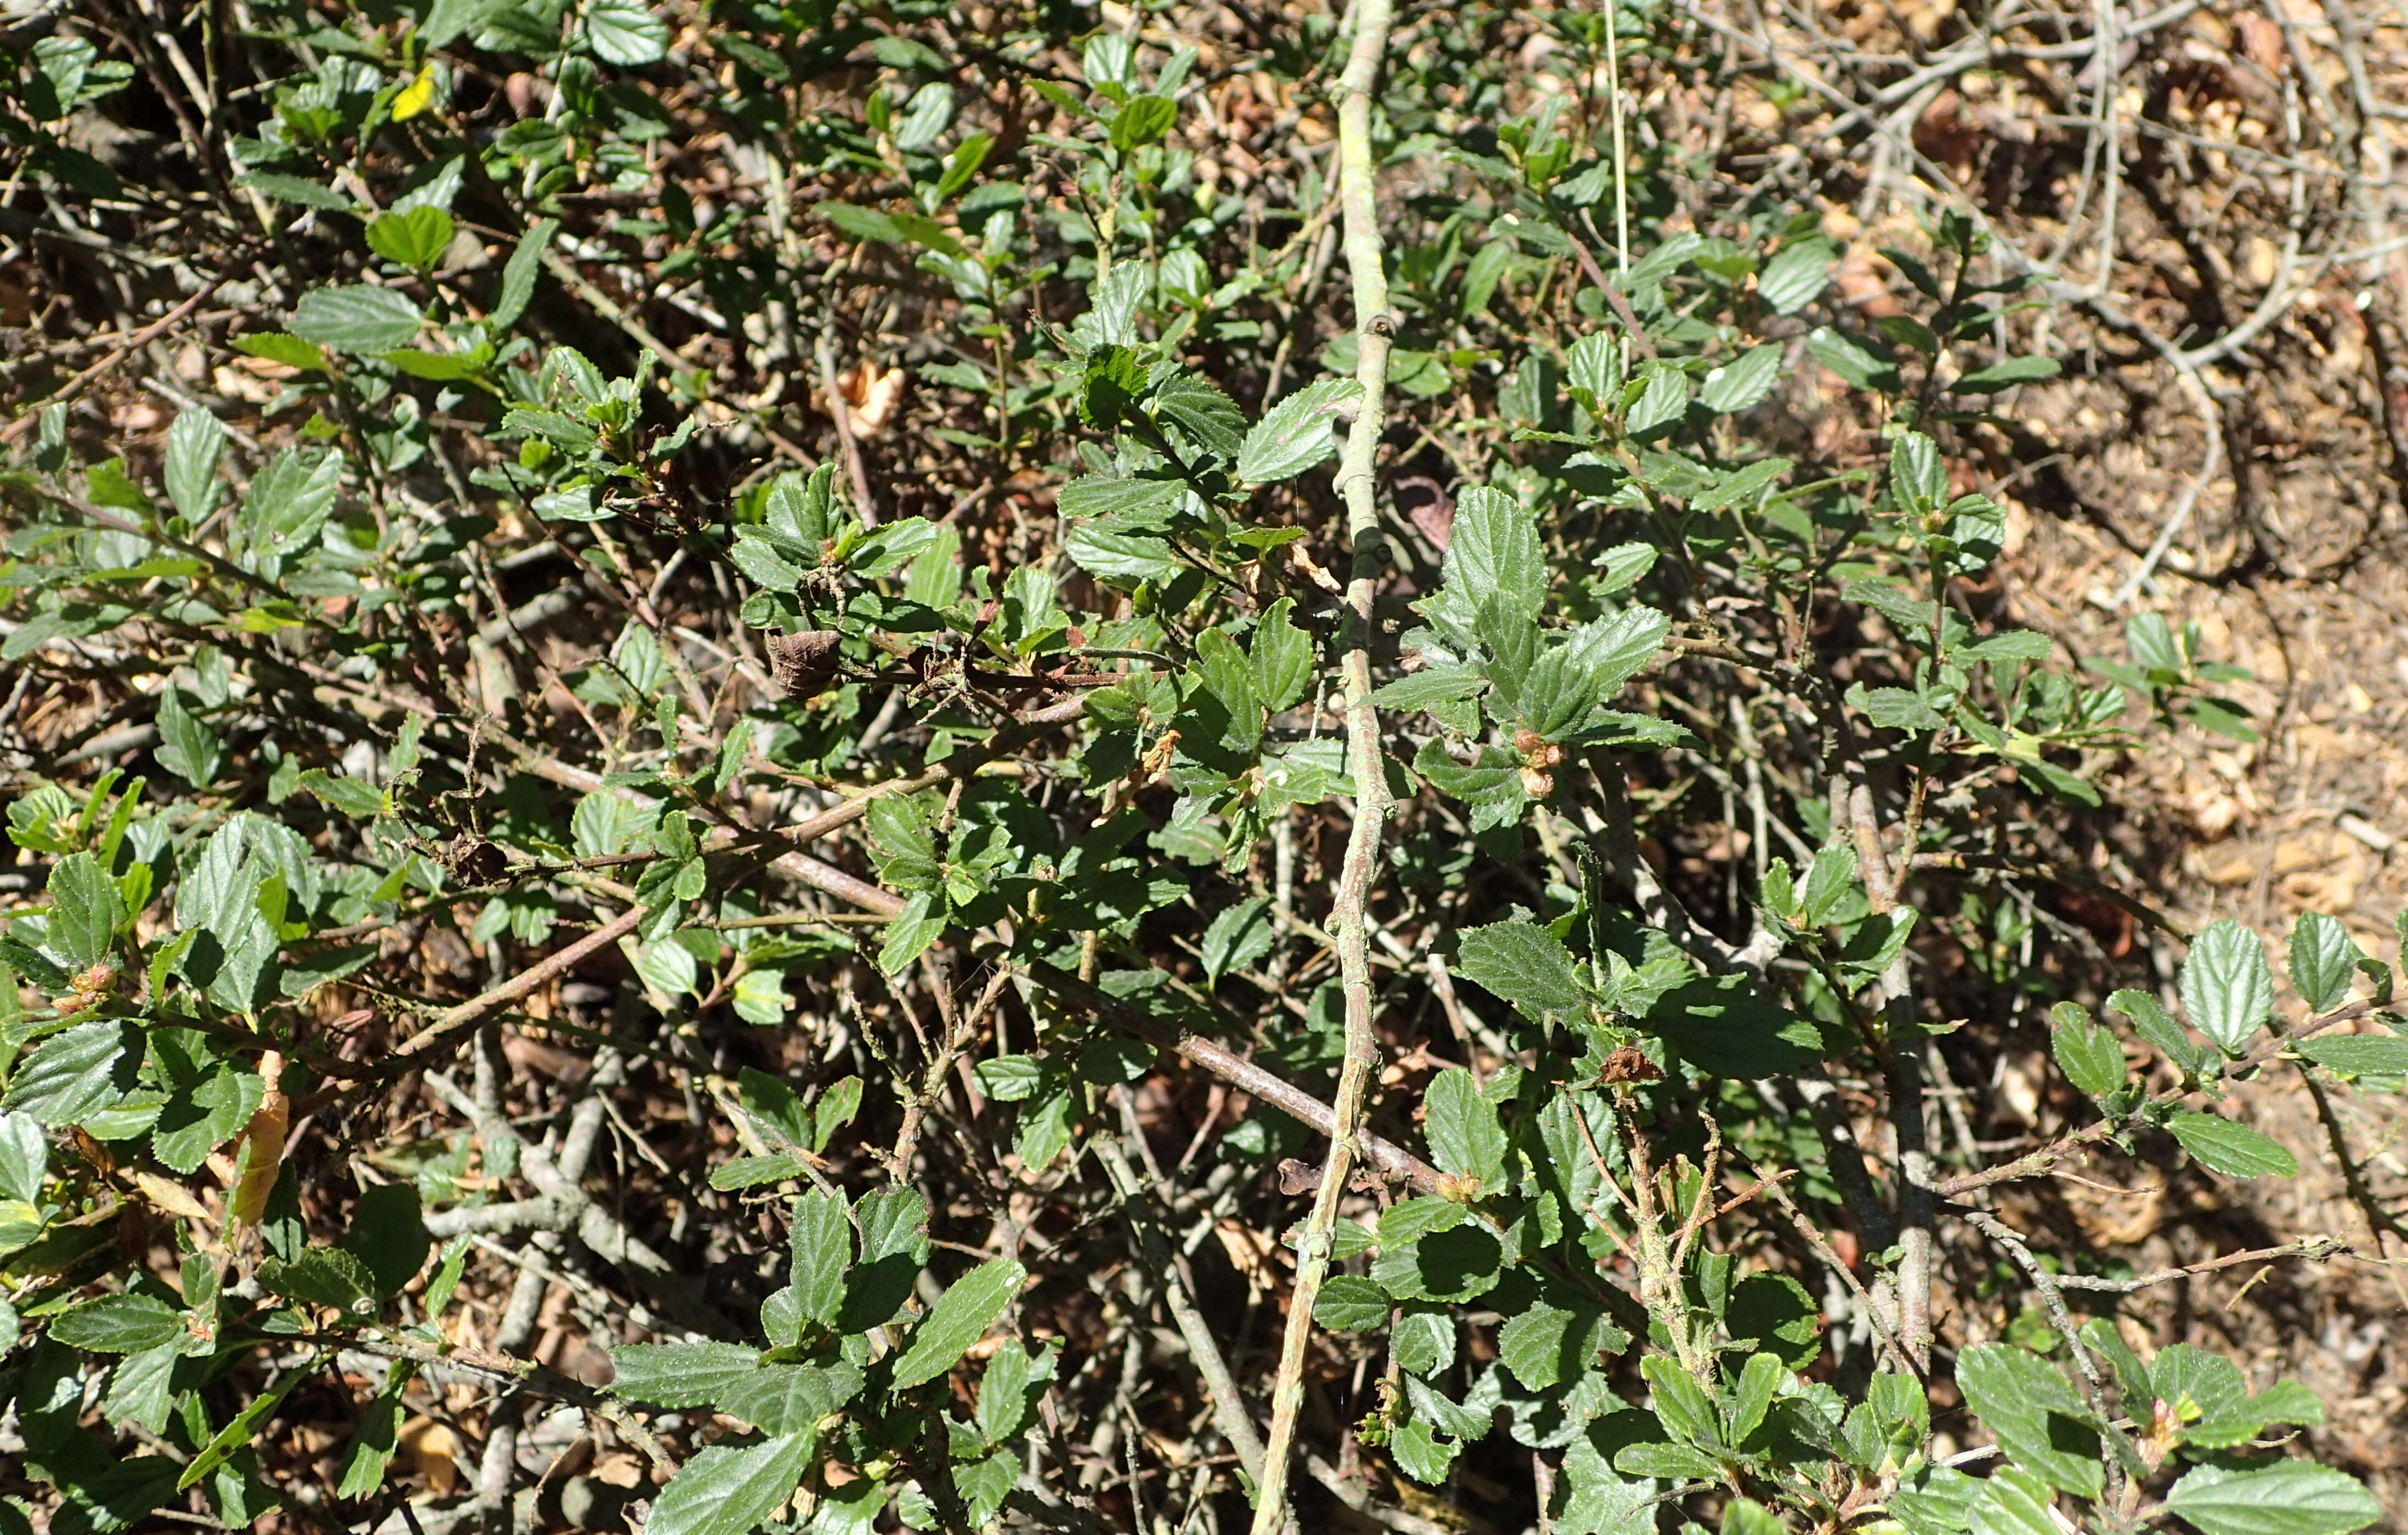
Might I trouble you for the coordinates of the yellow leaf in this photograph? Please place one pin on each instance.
(416, 97)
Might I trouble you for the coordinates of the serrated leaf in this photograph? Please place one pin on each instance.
(625, 33)
(417, 237)
(1465, 1138)
(2228, 988)
(2358, 1055)
(1141, 503)
(519, 275)
(1494, 553)
(822, 1241)
(84, 910)
(1531, 1346)
(2035, 1414)
(1439, 685)
(1744, 382)
(71, 1075)
(1143, 120)
(2323, 961)
(1350, 1303)
(1282, 657)
(1295, 434)
(2086, 1051)
(1238, 937)
(2235, 1150)
(2288, 1497)
(1854, 362)
(959, 1318)
(722, 1491)
(1198, 407)
(1681, 1403)
(2007, 374)
(288, 501)
(2153, 1022)
(1619, 648)
(119, 1324)
(195, 443)
(1918, 479)
(1795, 276)
(1663, 402)
(1525, 965)
(357, 319)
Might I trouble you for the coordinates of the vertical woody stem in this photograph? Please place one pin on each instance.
(1356, 482)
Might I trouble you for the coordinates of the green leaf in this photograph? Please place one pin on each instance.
(1465, 1138)
(1142, 120)
(1775, 1313)
(358, 319)
(821, 1241)
(119, 1324)
(1282, 657)
(1918, 479)
(376, 1438)
(1854, 362)
(1751, 1396)
(389, 1235)
(85, 910)
(324, 1276)
(1229, 676)
(2035, 1414)
(1619, 648)
(1143, 504)
(1742, 384)
(870, 223)
(1494, 553)
(2358, 1055)
(1525, 965)
(959, 1318)
(288, 501)
(1724, 1027)
(1423, 1342)
(2006, 375)
(198, 1120)
(1350, 1303)
(1663, 402)
(1122, 559)
(2153, 1022)
(625, 33)
(2086, 1051)
(1198, 406)
(1795, 276)
(187, 747)
(278, 347)
(1295, 434)
(519, 275)
(921, 923)
(2234, 1150)
(1238, 936)
(23, 1157)
(2288, 1497)
(1442, 683)
(722, 1491)
(2323, 960)
(2014, 1503)
(195, 444)
(2228, 988)
(417, 237)
(1531, 1346)
(1681, 1403)
(439, 366)
(69, 1076)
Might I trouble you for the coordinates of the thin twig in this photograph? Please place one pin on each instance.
(1374, 328)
